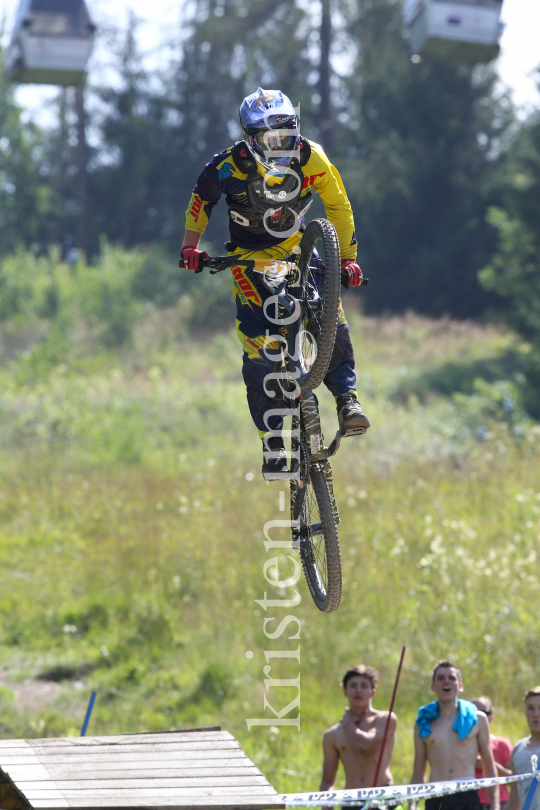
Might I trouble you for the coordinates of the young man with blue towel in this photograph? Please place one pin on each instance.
(449, 734)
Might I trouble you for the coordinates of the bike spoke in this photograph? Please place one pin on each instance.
(315, 308)
(315, 538)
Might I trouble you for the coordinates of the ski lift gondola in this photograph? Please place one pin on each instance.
(51, 42)
(456, 30)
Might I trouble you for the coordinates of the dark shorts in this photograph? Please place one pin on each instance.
(467, 800)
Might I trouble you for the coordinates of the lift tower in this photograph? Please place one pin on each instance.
(51, 44)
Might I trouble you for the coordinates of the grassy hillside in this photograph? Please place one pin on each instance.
(132, 546)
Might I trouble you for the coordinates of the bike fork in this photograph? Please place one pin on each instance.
(318, 453)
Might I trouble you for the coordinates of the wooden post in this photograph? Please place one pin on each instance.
(82, 229)
(394, 693)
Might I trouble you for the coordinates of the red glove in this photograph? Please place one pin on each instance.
(191, 258)
(351, 274)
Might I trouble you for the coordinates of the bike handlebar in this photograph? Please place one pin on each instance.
(219, 263)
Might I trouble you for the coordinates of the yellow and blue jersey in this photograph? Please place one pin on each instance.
(222, 176)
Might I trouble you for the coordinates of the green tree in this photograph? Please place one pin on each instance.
(514, 272)
(57, 164)
(27, 203)
(128, 171)
(233, 46)
(420, 158)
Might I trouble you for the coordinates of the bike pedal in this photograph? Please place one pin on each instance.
(278, 476)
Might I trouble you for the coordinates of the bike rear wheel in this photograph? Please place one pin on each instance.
(319, 279)
(311, 509)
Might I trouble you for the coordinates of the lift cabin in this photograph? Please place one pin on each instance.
(455, 30)
(51, 42)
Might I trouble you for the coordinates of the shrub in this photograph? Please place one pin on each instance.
(515, 274)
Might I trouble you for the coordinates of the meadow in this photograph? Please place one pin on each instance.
(132, 512)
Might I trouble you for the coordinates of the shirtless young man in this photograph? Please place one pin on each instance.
(451, 752)
(356, 740)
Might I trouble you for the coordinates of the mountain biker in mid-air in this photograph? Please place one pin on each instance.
(273, 154)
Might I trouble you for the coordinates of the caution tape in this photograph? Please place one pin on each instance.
(395, 794)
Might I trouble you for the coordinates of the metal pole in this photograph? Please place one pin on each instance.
(82, 231)
(394, 693)
(534, 783)
(88, 713)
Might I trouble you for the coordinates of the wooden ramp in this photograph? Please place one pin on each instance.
(195, 768)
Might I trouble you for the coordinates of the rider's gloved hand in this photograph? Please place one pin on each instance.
(351, 275)
(191, 258)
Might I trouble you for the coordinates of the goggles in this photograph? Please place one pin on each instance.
(275, 140)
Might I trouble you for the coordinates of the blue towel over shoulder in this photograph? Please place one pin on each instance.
(465, 720)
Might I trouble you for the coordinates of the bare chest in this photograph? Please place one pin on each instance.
(344, 740)
(444, 740)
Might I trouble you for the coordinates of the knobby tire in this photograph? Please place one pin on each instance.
(312, 505)
(320, 555)
(322, 326)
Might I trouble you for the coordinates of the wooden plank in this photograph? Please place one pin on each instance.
(178, 730)
(113, 750)
(15, 743)
(52, 792)
(158, 774)
(229, 803)
(131, 739)
(154, 792)
(181, 782)
(159, 745)
(143, 737)
(112, 770)
(97, 759)
(32, 770)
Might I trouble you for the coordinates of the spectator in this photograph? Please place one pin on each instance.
(502, 751)
(449, 734)
(523, 751)
(356, 740)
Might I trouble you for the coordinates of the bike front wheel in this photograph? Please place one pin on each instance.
(319, 279)
(316, 533)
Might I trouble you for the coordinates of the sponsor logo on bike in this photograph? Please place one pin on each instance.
(245, 289)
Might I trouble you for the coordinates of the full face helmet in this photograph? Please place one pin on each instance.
(269, 125)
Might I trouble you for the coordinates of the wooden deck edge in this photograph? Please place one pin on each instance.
(167, 731)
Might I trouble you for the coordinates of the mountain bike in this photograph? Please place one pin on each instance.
(306, 284)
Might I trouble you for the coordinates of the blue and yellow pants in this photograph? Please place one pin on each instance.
(253, 326)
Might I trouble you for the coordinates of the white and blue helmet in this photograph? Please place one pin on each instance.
(270, 126)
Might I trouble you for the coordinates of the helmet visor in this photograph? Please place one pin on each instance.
(276, 140)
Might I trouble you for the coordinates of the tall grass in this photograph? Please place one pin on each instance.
(131, 540)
